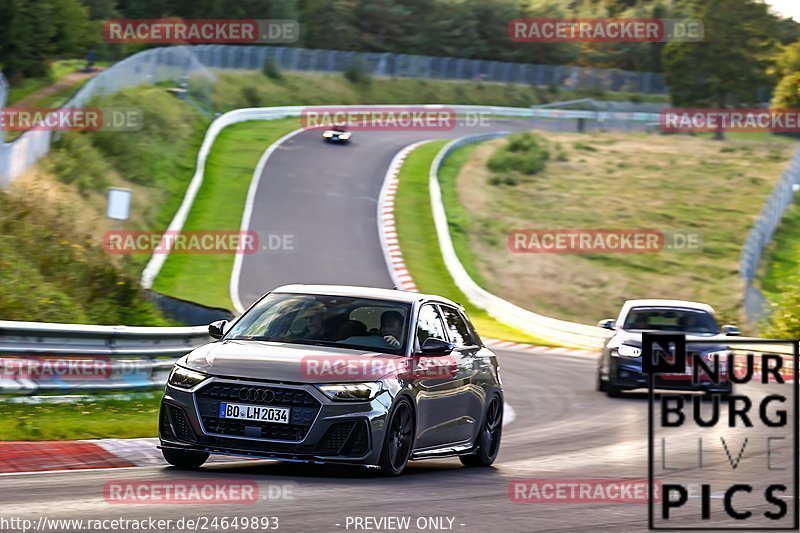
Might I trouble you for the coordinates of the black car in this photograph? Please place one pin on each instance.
(620, 366)
(329, 374)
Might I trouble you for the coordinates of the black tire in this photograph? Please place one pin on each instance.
(184, 458)
(601, 385)
(612, 390)
(399, 439)
(488, 441)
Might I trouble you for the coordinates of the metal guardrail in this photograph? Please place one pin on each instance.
(43, 357)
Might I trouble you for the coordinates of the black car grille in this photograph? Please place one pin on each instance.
(343, 439)
(304, 409)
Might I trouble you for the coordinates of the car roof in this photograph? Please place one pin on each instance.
(657, 302)
(363, 292)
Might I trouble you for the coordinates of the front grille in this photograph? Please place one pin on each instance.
(344, 439)
(304, 409)
(180, 424)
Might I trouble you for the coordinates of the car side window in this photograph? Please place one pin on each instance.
(459, 332)
(429, 324)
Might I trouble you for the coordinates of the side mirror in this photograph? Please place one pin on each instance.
(730, 330)
(217, 329)
(608, 323)
(433, 346)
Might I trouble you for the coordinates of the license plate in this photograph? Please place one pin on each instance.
(260, 413)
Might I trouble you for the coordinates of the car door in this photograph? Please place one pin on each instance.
(474, 369)
(440, 382)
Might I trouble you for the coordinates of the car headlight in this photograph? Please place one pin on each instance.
(183, 378)
(344, 136)
(625, 350)
(351, 391)
(721, 354)
(327, 134)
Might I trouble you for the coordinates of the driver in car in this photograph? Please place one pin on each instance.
(392, 328)
(315, 323)
(389, 334)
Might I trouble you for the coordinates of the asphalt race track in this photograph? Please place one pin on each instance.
(325, 196)
(563, 429)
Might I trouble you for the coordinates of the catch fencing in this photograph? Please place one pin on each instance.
(430, 67)
(189, 68)
(761, 232)
(177, 65)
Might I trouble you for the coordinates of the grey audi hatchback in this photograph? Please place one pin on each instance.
(332, 374)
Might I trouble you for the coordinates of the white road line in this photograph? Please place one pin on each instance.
(248, 213)
(509, 415)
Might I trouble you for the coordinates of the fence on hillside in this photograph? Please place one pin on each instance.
(189, 67)
(761, 232)
(177, 65)
(430, 67)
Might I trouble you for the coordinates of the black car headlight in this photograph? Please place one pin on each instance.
(625, 350)
(351, 391)
(183, 378)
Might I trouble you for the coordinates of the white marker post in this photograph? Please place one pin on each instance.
(119, 205)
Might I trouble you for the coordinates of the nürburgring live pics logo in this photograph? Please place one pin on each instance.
(729, 461)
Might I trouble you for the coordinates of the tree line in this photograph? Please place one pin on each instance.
(746, 48)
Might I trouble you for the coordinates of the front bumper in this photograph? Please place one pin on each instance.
(626, 374)
(320, 430)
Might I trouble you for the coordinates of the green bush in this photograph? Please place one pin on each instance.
(271, 70)
(50, 271)
(251, 96)
(503, 179)
(524, 153)
(784, 319)
(357, 72)
(152, 155)
(585, 147)
(78, 162)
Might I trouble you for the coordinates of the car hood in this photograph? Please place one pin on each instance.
(293, 363)
(631, 338)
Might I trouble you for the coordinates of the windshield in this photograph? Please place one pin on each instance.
(670, 319)
(338, 321)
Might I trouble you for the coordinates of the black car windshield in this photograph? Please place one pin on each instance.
(320, 320)
(670, 319)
